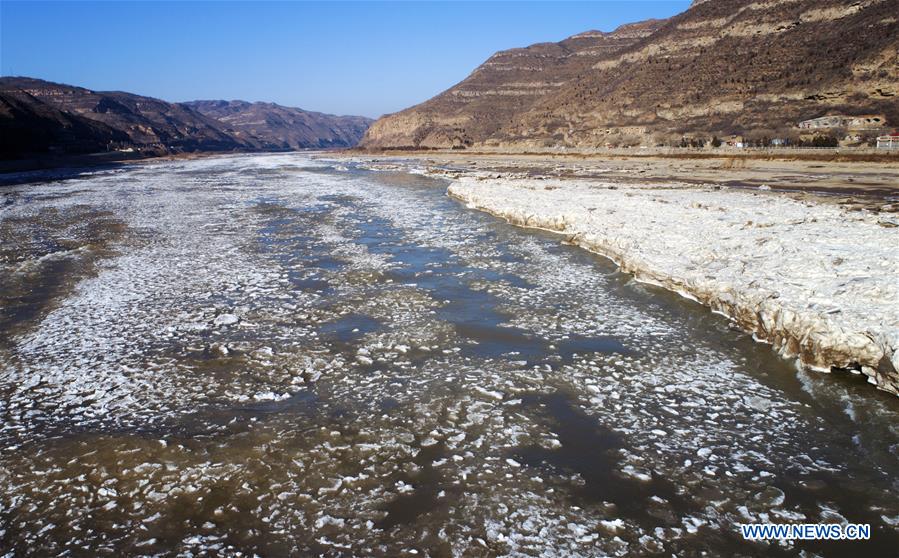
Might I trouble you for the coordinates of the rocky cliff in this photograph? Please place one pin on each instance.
(722, 67)
(278, 127)
(508, 84)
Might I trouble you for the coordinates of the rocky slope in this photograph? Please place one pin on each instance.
(278, 127)
(505, 86)
(722, 67)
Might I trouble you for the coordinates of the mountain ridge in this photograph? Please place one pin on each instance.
(722, 67)
(280, 127)
(40, 117)
(465, 113)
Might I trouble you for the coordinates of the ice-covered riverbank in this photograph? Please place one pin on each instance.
(817, 281)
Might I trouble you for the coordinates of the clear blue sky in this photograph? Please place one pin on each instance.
(364, 58)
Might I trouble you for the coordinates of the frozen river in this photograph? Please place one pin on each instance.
(272, 355)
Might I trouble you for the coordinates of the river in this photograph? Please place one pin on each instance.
(279, 355)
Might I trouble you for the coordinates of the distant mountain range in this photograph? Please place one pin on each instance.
(39, 117)
(722, 67)
(278, 127)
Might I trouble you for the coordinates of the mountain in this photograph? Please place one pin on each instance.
(508, 84)
(278, 127)
(722, 67)
(28, 125)
(40, 117)
(148, 123)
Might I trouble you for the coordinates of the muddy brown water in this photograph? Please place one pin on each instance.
(269, 355)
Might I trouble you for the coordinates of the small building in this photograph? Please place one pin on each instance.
(888, 142)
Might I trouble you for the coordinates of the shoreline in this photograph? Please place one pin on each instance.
(779, 275)
(866, 179)
(792, 154)
(791, 334)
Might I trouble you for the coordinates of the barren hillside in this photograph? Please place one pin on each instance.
(722, 67)
(278, 127)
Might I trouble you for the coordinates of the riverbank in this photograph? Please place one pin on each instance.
(815, 276)
(840, 174)
(790, 154)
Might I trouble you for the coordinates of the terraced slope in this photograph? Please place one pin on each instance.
(722, 67)
(502, 88)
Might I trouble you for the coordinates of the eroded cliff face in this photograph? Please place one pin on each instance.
(721, 67)
(505, 86)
